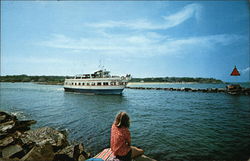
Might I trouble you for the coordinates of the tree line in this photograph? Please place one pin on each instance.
(60, 79)
(26, 78)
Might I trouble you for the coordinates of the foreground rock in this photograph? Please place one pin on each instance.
(11, 151)
(45, 135)
(41, 152)
(19, 143)
(71, 152)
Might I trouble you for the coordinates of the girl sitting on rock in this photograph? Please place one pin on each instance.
(120, 139)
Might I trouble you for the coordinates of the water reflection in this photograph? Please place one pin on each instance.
(97, 99)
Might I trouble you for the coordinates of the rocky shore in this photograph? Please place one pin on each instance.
(19, 143)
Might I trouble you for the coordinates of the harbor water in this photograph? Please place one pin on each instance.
(168, 125)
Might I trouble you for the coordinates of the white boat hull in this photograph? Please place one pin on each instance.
(95, 90)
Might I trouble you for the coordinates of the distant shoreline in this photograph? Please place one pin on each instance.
(59, 80)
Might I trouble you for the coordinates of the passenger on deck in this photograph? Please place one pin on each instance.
(120, 139)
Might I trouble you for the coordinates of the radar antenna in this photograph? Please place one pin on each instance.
(101, 66)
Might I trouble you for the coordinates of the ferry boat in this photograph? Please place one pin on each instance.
(100, 82)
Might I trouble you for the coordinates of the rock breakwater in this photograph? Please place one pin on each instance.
(239, 91)
(19, 143)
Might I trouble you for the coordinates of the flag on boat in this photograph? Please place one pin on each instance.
(235, 72)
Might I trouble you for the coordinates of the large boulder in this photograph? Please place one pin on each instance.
(40, 153)
(71, 153)
(45, 135)
(65, 154)
(6, 141)
(11, 151)
(24, 125)
(81, 158)
(7, 126)
(4, 117)
(78, 150)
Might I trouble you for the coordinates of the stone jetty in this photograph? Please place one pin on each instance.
(19, 143)
(238, 91)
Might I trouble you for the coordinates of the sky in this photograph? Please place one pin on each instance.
(142, 38)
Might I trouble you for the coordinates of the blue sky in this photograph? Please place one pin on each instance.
(143, 38)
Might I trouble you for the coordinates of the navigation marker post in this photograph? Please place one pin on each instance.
(234, 88)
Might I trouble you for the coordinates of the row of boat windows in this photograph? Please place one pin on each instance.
(97, 84)
(95, 76)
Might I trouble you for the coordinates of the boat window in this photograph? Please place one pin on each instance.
(83, 84)
(105, 83)
(120, 83)
(72, 83)
(87, 76)
(99, 83)
(79, 84)
(92, 84)
(87, 84)
(75, 83)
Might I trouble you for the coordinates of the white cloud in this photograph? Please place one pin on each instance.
(138, 24)
(140, 45)
(246, 70)
(192, 10)
(189, 11)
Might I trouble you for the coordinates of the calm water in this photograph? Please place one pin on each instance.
(167, 125)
